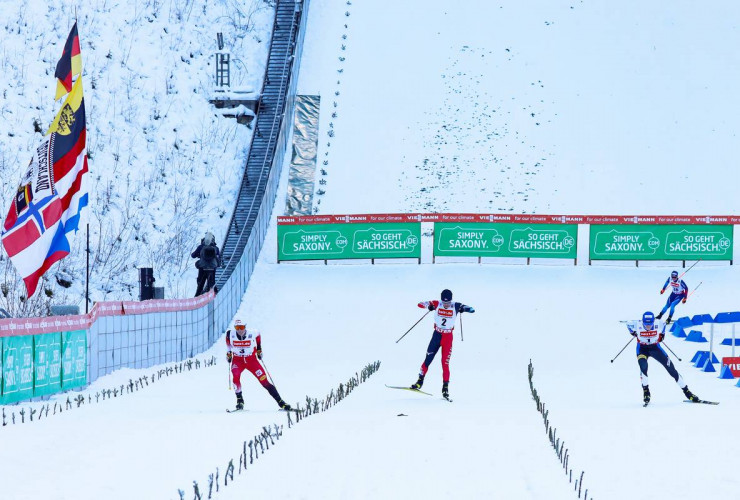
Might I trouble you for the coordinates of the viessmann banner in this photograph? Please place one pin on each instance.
(505, 240)
(349, 241)
(660, 242)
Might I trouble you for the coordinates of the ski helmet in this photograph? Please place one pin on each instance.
(446, 295)
(648, 319)
(674, 275)
(239, 324)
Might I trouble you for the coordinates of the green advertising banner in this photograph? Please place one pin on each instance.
(47, 363)
(660, 242)
(17, 369)
(481, 239)
(349, 241)
(74, 359)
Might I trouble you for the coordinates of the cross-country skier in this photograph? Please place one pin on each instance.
(649, 333)
(444, 324)
(679, 293)
(244, 350)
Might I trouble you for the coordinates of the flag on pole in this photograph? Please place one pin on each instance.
(70, 64)
(51, 196)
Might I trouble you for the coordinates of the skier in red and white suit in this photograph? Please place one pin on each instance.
(243, 351)
(444, 324)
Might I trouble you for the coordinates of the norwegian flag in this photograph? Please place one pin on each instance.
(51, 196)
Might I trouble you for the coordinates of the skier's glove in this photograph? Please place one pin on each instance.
(633, 333)
(430, 307)
(470, 310)
(684, 300)
(229, 356)
(420, 305)
(661, 337)
(662, 291)
(259, 353)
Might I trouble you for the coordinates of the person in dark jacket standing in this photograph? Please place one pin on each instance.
(209, 259)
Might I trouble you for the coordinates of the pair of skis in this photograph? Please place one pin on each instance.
(415, 390)
(701, 401)
(244, 409)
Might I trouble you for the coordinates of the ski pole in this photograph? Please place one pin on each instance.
(695, 289)
(623, 348)
(407, 331)
(267, 372)
(674, 354)
(689, 269)
(461, 332)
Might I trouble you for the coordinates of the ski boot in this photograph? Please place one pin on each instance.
(445, 390)
(660, 315)
(418, 383)
(668, 320)
(645, 394)
(690, 395)
(284, 406)
(239, 401)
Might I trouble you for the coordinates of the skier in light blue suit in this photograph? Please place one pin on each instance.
(679, 293)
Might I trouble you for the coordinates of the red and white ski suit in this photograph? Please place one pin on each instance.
(242, 348)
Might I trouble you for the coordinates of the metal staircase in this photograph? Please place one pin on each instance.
(270, 113)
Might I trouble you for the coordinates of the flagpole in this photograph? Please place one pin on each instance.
(87, 270)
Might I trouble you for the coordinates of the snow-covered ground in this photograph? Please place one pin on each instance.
(321, 324)
(633, 118)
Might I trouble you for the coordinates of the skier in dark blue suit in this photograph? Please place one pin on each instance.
(679, 293)
(649, 334)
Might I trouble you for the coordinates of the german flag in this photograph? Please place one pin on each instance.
(69, 65)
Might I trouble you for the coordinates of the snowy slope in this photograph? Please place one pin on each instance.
(164, 165)
(624, 118)
(527, 107)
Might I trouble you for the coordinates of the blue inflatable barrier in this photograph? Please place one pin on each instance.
(695, 336)
(678, 332)
(726, 373)
(683, 322)
(705, 354)
(700, 319)
(727, 317)
(708, 366)
(728, 341)
(700, 358)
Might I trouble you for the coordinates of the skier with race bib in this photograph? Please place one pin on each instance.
(243, 352)
(679, 293)
(649, 334)
(444, 324)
